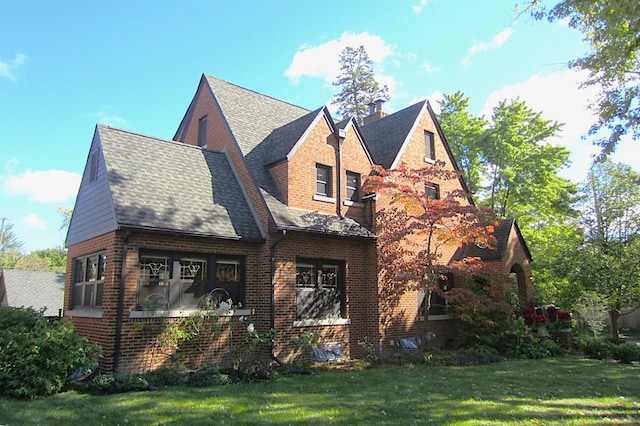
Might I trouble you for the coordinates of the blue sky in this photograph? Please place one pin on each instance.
(67, 65)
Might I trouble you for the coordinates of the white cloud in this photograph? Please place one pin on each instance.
(8, 68)
(43, 185)
(106, 116)
(497, 41)
(322, 61)
(420, 6)
(33, 221)
(558, 97)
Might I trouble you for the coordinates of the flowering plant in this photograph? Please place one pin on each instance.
(539, 319)
(564, 315)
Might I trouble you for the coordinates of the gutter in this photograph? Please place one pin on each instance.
(123, 275)
(272, 313)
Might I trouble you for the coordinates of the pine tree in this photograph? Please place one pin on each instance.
(357, 84)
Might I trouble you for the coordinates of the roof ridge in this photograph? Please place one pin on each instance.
(208, 76)
(169, 141)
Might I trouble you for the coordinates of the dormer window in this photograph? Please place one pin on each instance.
(323, 180)
(429, 148)
(202, 132)
(353, 186)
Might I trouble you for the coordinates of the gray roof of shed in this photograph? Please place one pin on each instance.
(168, 186)
(34, 289)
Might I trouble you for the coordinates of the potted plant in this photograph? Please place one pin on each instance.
(540, 324)
(565, 319)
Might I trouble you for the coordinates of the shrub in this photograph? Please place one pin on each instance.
(165, 377)
(37, 357)
(594, 348)
(624, 352)
(106, 384)
(207, 376)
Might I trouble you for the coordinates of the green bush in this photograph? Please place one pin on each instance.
(207, 376)
(594, 348)
(624, 352)
(37, 356)
(462, 357)
(106, 384)
(165, 377)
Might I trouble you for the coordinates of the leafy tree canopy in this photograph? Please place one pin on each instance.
(612, 29)
(358, 87)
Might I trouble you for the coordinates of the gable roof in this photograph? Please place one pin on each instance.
(266, 130)
(160, 185)
(34, 289)
(386, 136)
(501, 233)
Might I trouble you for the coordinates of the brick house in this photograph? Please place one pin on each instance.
(255, 200)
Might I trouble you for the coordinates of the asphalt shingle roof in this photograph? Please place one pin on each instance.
(501, 233)
(34, 289)
(266, 129)
(168, 186)
(385, 136)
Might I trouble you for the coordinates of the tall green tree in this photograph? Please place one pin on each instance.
(10, 249)
(612, 29)
(464, 135)
(521, 168)
(608, 258)
(357, 84)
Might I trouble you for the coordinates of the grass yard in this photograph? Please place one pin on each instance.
(551, 391)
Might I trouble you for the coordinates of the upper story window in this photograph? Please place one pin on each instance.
(182, 281)
(429, 147)
(88, 283)
(323, 180)
(432, 191)
(353, 186)
(202, 131)
(319, 289)
(93, 166)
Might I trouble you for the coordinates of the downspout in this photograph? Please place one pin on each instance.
(273, 293)
(340, 135)
(123, 275)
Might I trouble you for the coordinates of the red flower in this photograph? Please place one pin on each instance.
(564, 315)
(539, 319)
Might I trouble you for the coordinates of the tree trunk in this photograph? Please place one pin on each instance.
(613, 318)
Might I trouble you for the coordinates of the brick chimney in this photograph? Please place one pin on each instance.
(375, 112)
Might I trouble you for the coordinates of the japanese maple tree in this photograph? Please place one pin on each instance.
(413, 229)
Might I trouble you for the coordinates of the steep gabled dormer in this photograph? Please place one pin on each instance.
(413, 137)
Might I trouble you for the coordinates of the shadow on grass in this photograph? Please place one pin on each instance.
(568, 391)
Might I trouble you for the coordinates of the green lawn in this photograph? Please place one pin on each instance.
(552, 391)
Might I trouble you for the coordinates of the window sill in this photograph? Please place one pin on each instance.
(324, 198)
(353, 204)
(315, 322)
(429, 160)
(177, 313)
(84, 312)
(437, 317)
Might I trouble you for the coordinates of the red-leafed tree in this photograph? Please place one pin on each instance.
(414, 228)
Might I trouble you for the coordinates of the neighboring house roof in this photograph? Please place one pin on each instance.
(160, 185)
(501, 232)
(266, 131)
(34, 289)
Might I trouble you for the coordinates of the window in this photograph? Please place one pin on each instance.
(432, 191)
(436, 300)
(89, 276)
(319, 289)
(202, 131)
(323, 180)
(353, 186)
(181, 281)
(430, 152)
(93, 167)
